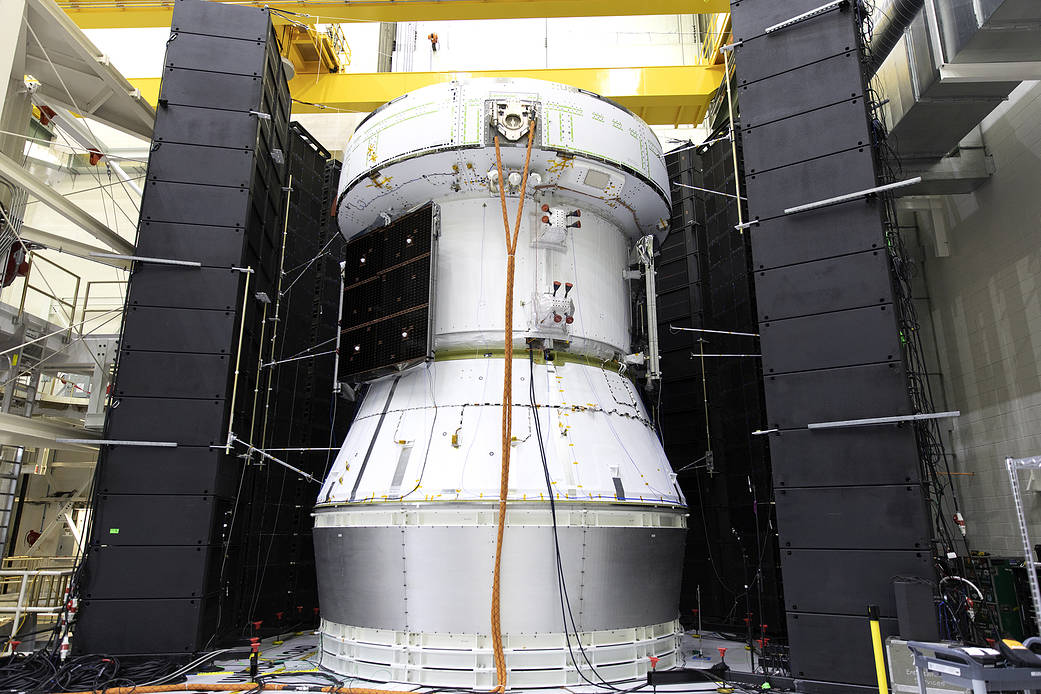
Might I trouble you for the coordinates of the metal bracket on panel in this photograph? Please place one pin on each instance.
(644, 252)
(113, 442)
(714, 192)
(676, 328)
(143, 259)
(828, 7)
(883, 420)
(852, 196)
(731, 46)
(746, 225)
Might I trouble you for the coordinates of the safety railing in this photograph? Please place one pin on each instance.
(713, 32)
(38, 591)
(67, 307)
(109, 304)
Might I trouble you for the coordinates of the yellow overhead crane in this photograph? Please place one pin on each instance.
(658, 95)
(666, 95)
(114, 14)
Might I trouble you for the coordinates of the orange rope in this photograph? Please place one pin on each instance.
(507, 397)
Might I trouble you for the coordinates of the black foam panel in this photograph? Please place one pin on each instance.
(772, 192)
(830, 340)
(150, 572)
(869, 518)
(832, 284)
(825, 36)
(823, 233)
(186, 422)
(838, 457)
(834, 647)
(233, 92)
(835, 581)
(206, 126)
(180, 330)
(173, 375)
(812, 86)
(168, 626)
(245, 57)
(806, 136)
(215, 289)
(186, 470)
(209, 245)
(188, 203)
(189, 16)
(124, 519)
(797, 399)
(211, 166)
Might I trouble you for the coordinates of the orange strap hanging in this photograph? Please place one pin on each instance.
(507, 397)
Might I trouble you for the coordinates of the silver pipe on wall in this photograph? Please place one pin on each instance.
(890, 23)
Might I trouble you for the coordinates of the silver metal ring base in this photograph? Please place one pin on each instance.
(466, 660)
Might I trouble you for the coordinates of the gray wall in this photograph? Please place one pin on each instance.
(985, 303)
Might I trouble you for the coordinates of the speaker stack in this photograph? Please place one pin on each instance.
(167, 527)
(850, 507)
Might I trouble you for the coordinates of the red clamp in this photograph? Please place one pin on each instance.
(722, 653)
(654, 662)
(315, 611)
(256, 624)
(279, 615)
(254, 644)
(15, 645)
(46, 113)
(299, 608)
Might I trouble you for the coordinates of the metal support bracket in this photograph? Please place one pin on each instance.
(115, 442)
(883, 420)
(145, 259)
(798, 19)
(853, 196)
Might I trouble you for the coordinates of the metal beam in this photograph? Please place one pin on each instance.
(991, 72)
(658, 95)
(59, 243)
(37, 432)
(112, 14)
(12, 171)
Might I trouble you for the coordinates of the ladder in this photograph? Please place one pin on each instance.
(1014, 465)
(10, 475)
(20, 392)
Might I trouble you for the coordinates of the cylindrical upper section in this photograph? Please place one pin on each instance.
(586, 263)
(436, 143)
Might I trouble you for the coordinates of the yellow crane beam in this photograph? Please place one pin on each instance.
(659, 95)
(113, 14)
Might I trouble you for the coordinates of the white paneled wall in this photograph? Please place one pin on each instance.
(986, 301)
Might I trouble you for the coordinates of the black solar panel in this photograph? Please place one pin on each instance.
(386, 301)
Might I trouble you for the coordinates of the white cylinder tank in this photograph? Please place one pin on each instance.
(405, 524)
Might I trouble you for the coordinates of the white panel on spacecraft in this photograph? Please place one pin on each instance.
(405, 525)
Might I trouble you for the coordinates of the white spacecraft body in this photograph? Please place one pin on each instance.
(405, 525)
